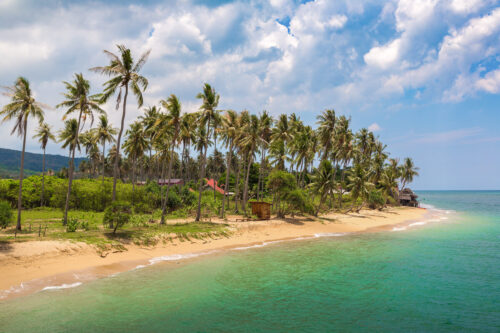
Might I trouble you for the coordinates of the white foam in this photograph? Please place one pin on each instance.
(398, 228)
(427, 206)
(63, 286)
(417, 223)
(175, 257)
(329, 234)
(256, 245)
(139, 266)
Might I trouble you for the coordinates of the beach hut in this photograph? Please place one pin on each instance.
(261, 209)
(408, 198)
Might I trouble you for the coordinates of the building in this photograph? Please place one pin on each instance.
(408, 198)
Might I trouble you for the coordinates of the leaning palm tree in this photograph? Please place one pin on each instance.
(44, 134)
(326, 131)
(78, 99)
(104, 132)
(124, 74)
(173, 118)
(22, 106)
(210, 100)
(408, 172)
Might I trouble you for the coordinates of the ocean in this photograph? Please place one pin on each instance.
(439, 274)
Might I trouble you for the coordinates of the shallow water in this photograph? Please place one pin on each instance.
(443, 275)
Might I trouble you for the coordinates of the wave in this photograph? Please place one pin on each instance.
(175, 257)
(329, 234)
(63, 286)
(257, 245)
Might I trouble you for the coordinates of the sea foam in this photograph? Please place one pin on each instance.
(63, 286)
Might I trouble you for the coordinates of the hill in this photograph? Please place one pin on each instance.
(10, 161)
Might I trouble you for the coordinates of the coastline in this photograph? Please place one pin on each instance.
(37, 265)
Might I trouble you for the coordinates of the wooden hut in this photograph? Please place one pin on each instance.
(408, 198)
(261, 209)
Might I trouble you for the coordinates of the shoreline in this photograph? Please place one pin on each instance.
(29, 267)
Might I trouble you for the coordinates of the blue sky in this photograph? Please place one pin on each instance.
(424, 75)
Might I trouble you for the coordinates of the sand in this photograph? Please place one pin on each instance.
(31, 266)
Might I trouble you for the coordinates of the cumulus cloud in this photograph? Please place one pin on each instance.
(374, 127)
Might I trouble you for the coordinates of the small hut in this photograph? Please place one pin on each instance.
(408, 198)
(261, 209)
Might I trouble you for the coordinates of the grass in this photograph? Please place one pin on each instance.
(143, 229)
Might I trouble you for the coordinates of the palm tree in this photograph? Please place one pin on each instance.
(44, 134)
(124, 73)
(210, 100)
(250, 140)
(78, 100)
(22, 106)
(202, 143)
(326, 131)
(408, 172)
(134, 146)
(173, 107)
(265, 122)
(104, 133)
(69, 138)
(89, 141)
(187, 136)
(229, 132)
(359, 185)
(323, 181)
(149, 119)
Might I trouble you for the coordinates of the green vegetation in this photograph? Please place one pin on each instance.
(5, 214)
(300, 169)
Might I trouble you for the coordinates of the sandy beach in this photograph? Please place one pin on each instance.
(28, 267)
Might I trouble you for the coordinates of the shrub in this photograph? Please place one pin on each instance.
(376, 199)
(117, 215)
(174, 201)
(72, 225)
(85, 225)
(299, 202)
(5, 214)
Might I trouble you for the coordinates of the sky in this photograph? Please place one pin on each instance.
(423, 75)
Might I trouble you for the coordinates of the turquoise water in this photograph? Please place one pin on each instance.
(441, 276)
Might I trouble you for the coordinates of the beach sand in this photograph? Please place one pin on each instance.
(27, 267)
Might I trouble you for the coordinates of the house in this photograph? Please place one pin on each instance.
(408, 198)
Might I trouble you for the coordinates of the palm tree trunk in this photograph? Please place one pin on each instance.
(237, 186)
(245, 191)
(200, 186)
(43, 177)
(183, 163)
(260, 173)
(228, 168)
(21, 175)
(117, 158)
(71, 169)
(169, 173)
(133, 179)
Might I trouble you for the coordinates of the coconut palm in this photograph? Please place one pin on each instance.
(69, 138)
(148, 120)
(89, 141)
(202, 144)
(173, 118)
(134, 146)
(78, 99)
(408, 172)
(44, 134)
(359, 185)
(326, 131)
(265, 122)
(250, 141)
(104, 132)
(229, 132)
(210, 100)
(187, 136)
(22, 106)
(124, 74)
(323, 181)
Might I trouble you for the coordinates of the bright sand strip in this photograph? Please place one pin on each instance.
(58, 263)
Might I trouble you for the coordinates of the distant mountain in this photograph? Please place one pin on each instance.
(10, 162)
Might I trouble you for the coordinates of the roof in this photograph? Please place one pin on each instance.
(211, 182)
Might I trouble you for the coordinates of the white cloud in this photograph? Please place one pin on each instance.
(383, 56)
(374, 127)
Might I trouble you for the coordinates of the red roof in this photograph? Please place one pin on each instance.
(210, 182)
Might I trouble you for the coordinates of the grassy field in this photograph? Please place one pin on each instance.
(143, 229)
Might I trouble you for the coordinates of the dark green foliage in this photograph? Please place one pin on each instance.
(174, 201)
(117, 215)
(72, 225)
(376, 199)
(299, 202)
(5, 214)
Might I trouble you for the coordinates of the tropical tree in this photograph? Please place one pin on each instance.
(104, 132)
(69, 138)
(210, 101)
(125, 75)
(326, 131)
(359, 185)
(250, 140)
(134, 146)
(229, 133)
(265, 124)
(22, 106)
(408, 172)
(78, 99)
(149, 119)
(173, 119)
(202, 143)
(187, 136)
(323, 182)
(44, 134)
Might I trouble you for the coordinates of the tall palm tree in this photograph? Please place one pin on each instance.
(250, 140)
(326, 131)
(69, 138)
(359, 184)
(187, 136)
(229, 133)
(173, 107)
(265, 122)
(149, 119)
(134, 146)
(408, 172)
(104, 132)
(124, 74)
(202, 143)
(323, 181)
(44, 134)
(210, 101)
(22, 106)
(78, 99)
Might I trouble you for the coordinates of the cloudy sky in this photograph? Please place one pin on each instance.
(424, 75)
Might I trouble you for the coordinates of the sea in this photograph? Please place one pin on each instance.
(440, 273)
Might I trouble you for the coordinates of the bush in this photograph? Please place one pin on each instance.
(117, 215)
(72, 225)
(174, 201)
(5, 214)
(85, 225)
(376, 199)
(299, 202)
